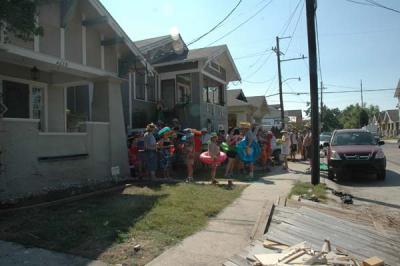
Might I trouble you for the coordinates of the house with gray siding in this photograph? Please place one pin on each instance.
(191, 82)
(62, 120)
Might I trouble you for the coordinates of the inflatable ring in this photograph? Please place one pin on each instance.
(205, 158)
(164, 130)
(255, 151)
(225, 147)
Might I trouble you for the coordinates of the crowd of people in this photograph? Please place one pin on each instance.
(163, 148)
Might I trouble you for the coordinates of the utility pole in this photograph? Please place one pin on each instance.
(322, 105)
(312, 53)
(278, 57)
(362, 98)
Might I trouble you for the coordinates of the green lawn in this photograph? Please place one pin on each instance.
(308, 190)
(108, 226)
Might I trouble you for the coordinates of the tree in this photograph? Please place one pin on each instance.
(330, 118)
(19, 18)
(363, 118)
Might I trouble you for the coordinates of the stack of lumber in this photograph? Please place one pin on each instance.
(291, 226)
(303, 254)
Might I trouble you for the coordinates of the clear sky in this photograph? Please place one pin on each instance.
(356, 42)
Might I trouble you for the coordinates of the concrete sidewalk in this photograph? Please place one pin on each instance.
(14, 254)
(229, 232)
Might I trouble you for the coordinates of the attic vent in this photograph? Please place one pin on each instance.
(215, 66)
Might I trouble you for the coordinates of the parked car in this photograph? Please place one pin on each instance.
(355, 150)
(322, 140)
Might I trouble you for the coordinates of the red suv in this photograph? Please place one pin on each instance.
(355, 150)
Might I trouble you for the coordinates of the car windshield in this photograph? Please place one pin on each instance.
(325, 138)
(353, 138)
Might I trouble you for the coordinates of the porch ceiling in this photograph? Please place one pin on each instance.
(27, 58)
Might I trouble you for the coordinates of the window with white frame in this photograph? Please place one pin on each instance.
(140, 84)
(23, 99)
(184, 88)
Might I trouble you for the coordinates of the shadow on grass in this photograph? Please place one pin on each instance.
(87, 227)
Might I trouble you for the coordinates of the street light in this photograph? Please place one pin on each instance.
(299, 79)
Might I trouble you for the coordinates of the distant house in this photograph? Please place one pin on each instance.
(260, 105)
(61, 121)
(295, 117)
(391, 123)
(241, 108)
(238, 108)
(191, 82)
(273, 116)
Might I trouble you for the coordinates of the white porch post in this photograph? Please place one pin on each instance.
(36, 37)
(102, 53)
(130, 100)
(62, 43)
(83, 41)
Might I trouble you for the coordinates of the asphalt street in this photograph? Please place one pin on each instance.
(367, 189)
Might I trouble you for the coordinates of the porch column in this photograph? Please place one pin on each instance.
(118, 146)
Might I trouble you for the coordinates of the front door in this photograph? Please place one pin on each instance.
(168, 93)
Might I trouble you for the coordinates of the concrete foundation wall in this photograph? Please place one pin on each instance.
(24, 175)
(56, 109)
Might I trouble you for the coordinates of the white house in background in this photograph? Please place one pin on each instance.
(62, 119)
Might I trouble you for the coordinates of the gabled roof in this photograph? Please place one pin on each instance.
(260, 103)
(236, 98)
(393, 115)
(297, 113)
(117, 28)
(397, 92)
(186, 55)
(257, 101)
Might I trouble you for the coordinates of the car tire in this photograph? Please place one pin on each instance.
(381, 175)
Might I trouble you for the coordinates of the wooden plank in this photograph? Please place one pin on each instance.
(263, 220)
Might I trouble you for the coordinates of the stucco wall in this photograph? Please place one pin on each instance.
(56, 111)
(100, 111)
(49, 43)
(93, 51)
(25, 175)
(110, 59)
(73, 39)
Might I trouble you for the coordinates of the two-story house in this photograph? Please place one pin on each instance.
(191, 82)
(62, 121)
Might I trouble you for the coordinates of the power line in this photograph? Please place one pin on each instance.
(216, 26)
(351, 87)
(382, 6)
(373, 3)
(295, 28)
(262, 53)
(334, 92)
(258, 82)
(261, 66)
(241, 24)
(282, 31)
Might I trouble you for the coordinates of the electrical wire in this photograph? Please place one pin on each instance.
(241, 24)
(373, 3)
(216, 26)
(382, 6)
(295, 28)
(334, 92)
(262, 53)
